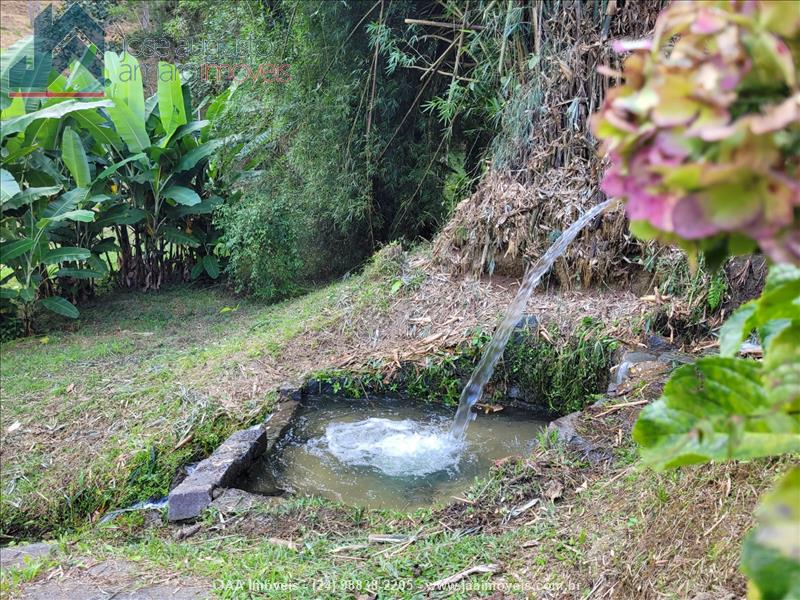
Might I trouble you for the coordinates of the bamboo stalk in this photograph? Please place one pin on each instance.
(443, 24)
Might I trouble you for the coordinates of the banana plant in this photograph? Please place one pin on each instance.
(44, 190)
(165, 164)
(104, 188)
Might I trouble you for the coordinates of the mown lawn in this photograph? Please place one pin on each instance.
(102, 411)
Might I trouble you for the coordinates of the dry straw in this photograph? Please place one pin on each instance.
(546, 171)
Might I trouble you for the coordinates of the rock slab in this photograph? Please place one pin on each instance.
(231, 459)
(235, 454)
(15, 556)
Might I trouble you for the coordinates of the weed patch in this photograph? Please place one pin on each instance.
(550, 373)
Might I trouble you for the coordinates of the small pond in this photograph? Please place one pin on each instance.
(386, 453)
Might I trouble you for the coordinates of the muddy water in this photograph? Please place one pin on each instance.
(385, 453)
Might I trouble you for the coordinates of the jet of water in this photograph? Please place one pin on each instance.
(494, 350)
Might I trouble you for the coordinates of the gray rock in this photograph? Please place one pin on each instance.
(231, 459)
(233, 500)
(677, 357)
(111, 579)
(15, 556)
(290, 390)
(637, 357)
(278, 421)
(566, 427)
(235, 454)
(622, 370)
(658, 343)
(188, 501)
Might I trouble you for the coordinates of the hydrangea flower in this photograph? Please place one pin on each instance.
(704, 134)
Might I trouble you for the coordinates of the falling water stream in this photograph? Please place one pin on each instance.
(344, 454)
(483, 372)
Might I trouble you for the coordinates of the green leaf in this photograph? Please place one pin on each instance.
(96, 263)
(15, 109)
(771, 553)
(65, 254)
(736, 329)
(170, 98)
(8, 186)
(190, 128)
(778, 305)
(66, 202)
(182, 195)
(74, 156)
(111, 169)
(218, 105)
(82, 215)
(130, 127)
(61, 306)
(31, 195)
(8, 293)
(80, 78)
(782, 369)
(781, 296)
(150, 105)
(195, 155)
(95, 125)
(126, 86)
(120, 214)
(51, 112)
(211, 265)
(716, 409)
(176, 236)
(79, 273)
(28, 293)
(11, 56)
(205, 207)
(197, 270)
(11, 250)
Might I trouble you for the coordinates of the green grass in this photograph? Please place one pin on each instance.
(314, 570)
(103, 402)
(96, 406)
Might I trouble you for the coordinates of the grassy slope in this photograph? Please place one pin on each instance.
(83, 408)
(94, 399)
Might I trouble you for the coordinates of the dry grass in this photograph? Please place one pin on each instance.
(656, 535)
(367, 323)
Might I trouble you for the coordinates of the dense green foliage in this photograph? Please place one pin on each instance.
(102, 189)
(319, 142)
(381, 125)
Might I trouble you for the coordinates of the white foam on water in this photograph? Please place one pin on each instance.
(396, 448)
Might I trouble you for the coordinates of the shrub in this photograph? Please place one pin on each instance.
(261, 237)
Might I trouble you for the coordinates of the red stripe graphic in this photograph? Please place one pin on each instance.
(56, 94)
